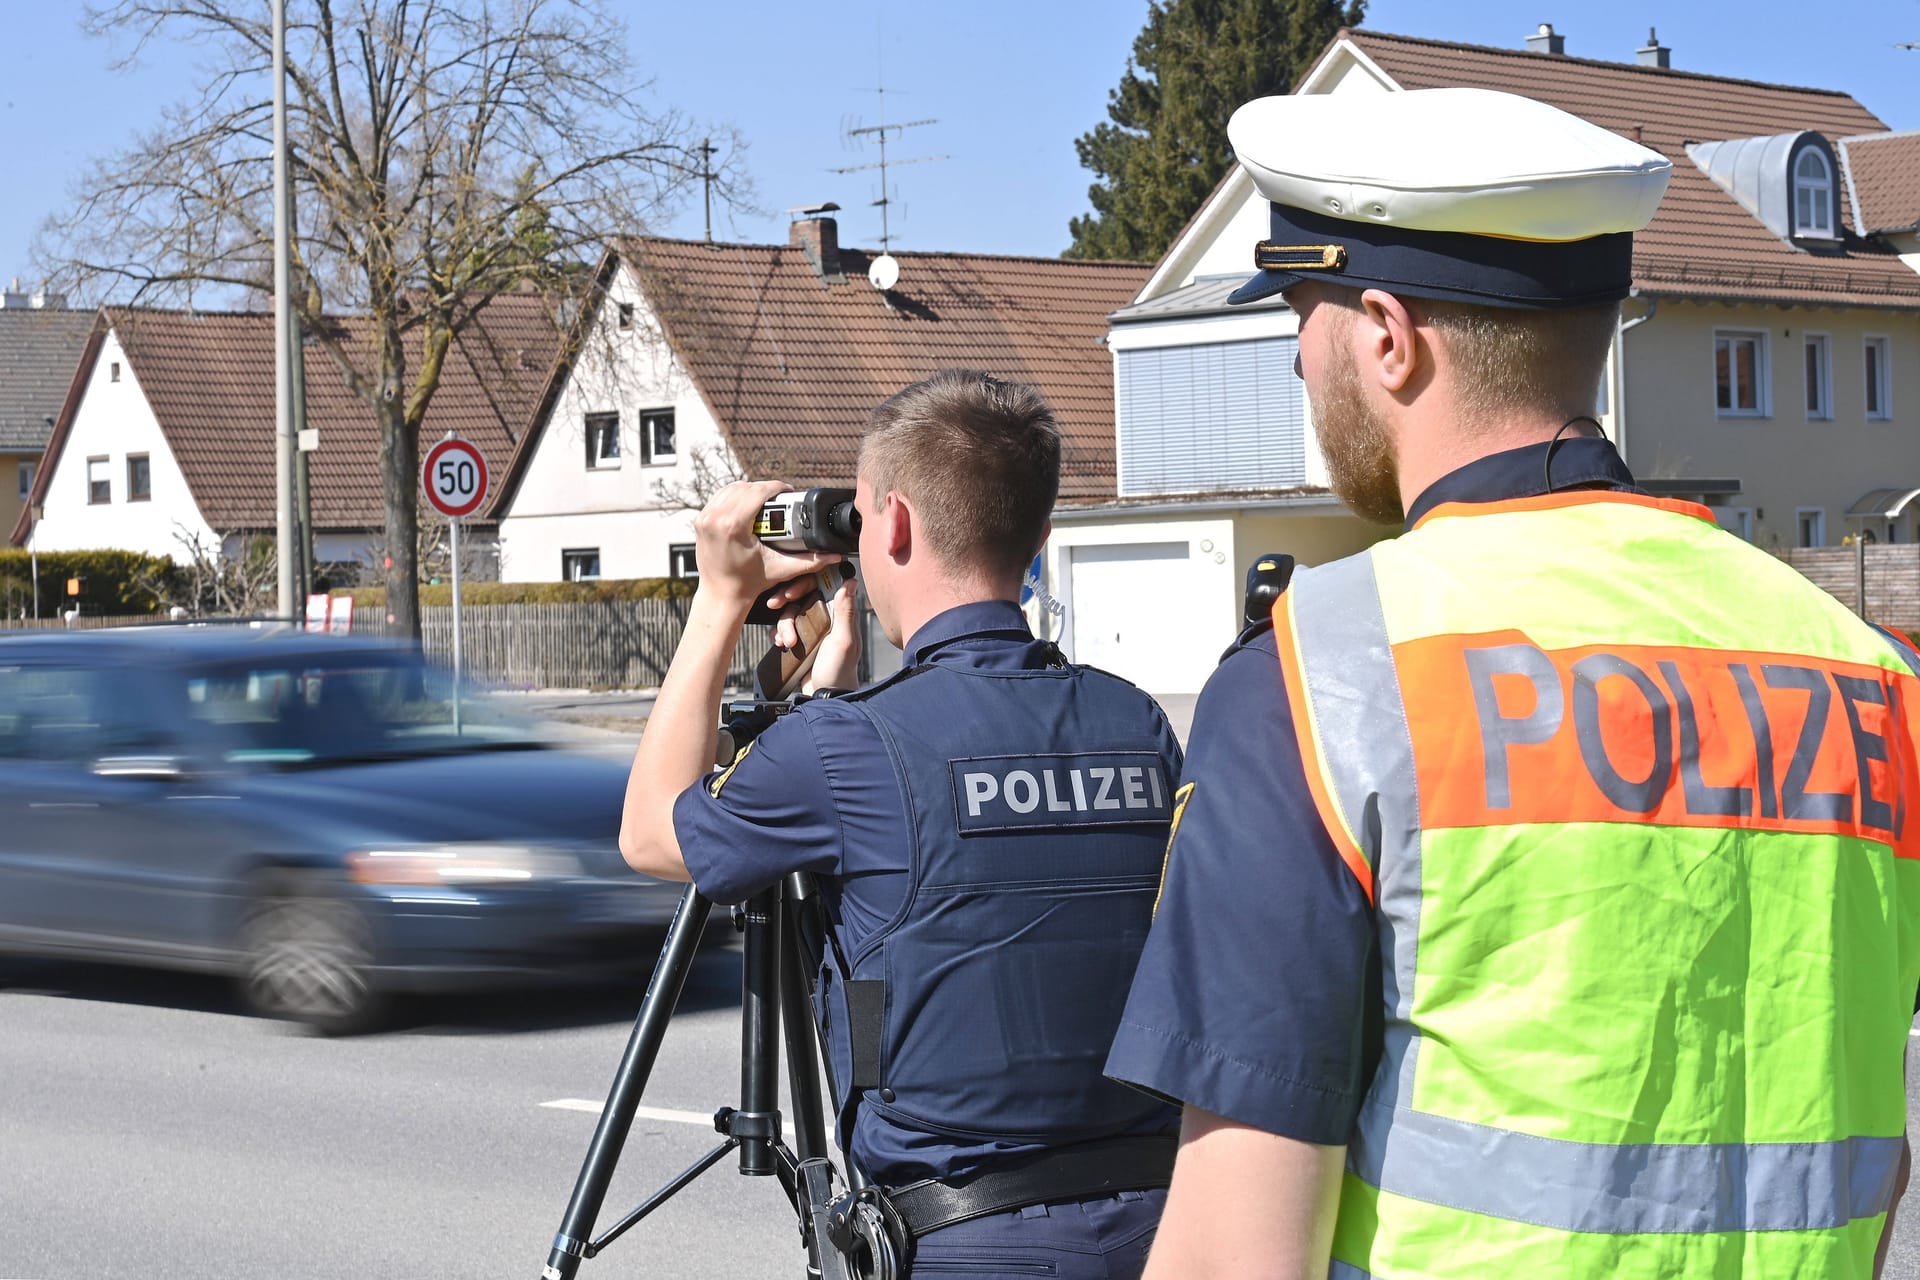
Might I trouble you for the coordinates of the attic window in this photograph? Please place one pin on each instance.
(626, 315)
(1812, 194)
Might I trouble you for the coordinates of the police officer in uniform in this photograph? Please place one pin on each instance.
(989, 824)
(1543, 899)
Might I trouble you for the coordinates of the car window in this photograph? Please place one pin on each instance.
(67, 713)
(318, 710)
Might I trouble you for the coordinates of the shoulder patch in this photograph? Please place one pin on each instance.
(1180, 798)
(1029, 793)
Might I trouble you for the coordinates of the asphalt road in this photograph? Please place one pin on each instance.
(149, 1129)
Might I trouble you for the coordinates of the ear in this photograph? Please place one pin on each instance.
(1390, 344)
(897, 521)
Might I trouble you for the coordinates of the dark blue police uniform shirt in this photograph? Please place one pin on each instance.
(816, 792)
(1258, 995)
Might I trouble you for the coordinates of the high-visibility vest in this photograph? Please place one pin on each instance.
(1635, 804)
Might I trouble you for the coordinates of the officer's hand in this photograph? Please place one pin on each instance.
(837, 661)
(735, 566)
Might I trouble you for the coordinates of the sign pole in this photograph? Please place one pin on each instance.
(454, 524)
(454, 476)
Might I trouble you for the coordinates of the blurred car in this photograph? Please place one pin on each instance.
(301, 811)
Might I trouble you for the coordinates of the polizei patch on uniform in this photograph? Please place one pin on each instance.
(1025, 793)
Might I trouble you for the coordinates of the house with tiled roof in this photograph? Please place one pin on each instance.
(1767, 364)
(165, 437)
(40, 345)
(707, 361)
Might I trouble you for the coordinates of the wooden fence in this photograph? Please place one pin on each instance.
(616, 644)
(1880, 581)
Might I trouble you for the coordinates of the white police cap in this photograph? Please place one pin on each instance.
(1465, 194)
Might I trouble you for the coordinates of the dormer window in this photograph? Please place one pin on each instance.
(1812, 194)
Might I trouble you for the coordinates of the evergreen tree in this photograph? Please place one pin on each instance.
(1165, 146)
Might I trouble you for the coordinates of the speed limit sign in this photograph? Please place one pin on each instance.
(455, 478)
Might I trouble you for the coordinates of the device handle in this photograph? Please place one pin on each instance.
(780, 672)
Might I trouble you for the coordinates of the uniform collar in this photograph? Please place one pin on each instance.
(1578, 462)
(1000, 619)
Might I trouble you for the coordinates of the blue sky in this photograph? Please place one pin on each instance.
(1011, 82)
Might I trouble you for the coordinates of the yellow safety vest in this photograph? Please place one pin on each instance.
(1635, 804)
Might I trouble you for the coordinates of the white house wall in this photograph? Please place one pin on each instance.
(114, 420)
(562, 504)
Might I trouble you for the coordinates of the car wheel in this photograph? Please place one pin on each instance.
(307, 957)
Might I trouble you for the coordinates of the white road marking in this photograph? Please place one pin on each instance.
(704, 1119)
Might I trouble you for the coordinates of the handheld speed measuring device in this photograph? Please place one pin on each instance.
(454, 476)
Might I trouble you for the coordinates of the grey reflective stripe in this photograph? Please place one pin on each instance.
(1628, 1189)
(1347, 1271)
(1361, 736)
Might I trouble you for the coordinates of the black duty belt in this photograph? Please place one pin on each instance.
(1084, 1172)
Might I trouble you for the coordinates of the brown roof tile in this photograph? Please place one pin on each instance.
(791, 366)
(209, 378)
(1701, 242)
(1883, 176)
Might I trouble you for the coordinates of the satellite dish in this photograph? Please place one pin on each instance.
(884, 273)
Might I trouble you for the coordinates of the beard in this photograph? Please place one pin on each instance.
(1362, 466)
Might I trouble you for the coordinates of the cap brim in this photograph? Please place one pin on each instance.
(1264, 285)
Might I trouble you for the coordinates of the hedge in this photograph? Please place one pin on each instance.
(532, 592)
(109, 580)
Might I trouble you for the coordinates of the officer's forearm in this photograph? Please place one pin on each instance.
(1246, 1204)
(677, 748)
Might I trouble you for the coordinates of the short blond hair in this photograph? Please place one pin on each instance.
(979, 458)
(1507, 360)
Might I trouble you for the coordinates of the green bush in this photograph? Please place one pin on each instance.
(110, 581)
(472, 593)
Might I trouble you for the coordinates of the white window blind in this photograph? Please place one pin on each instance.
(1218, 416)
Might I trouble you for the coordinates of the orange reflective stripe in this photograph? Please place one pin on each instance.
(1570, 498)
(1505, 732)
(1330, 815)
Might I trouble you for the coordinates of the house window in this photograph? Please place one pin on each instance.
(1211, 416)
(1819, 377)
(656, 437)
(1812, 523)
(1738, 520)
(1812, 194)
(113, 371)
(139, 478)
(581, 565)
(26, 481)
(626, 315)
(99, 483)
(680, 562)
(603, 440)
(1740, 374)
(1879, 380)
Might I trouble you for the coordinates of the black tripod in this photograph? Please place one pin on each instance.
(786, 932)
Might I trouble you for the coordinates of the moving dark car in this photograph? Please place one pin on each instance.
(303, 812)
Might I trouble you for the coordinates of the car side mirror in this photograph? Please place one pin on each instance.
(149, 768)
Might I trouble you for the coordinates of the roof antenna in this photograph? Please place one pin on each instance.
(706, 150)
(885, 270)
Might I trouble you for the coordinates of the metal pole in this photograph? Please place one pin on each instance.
(33, 554)
(283, 439)
(455, 523)
(1860, 570)
(302, 493)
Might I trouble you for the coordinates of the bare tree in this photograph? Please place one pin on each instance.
(442, 151)
(205, 583)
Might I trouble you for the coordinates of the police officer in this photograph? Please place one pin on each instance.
(989, 822)
(1545, 901)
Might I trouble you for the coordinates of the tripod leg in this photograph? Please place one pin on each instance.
(759, 1037)
(636, 1064)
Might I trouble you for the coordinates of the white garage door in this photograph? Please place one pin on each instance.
(1134, 609)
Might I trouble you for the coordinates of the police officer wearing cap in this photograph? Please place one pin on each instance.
(989, 824)
(1545, 894)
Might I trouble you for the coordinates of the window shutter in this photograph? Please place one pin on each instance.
(1217, 416)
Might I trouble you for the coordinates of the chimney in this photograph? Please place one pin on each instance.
(1546, 41)
(1655, 54)
(14, 298)
(815, 233)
